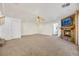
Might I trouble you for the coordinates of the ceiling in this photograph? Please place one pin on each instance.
(29, 11)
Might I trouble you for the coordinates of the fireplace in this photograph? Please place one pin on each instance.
(67, 33)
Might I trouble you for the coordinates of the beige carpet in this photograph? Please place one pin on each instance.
(39, 45)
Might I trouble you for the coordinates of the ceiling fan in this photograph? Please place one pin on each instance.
(39, 19)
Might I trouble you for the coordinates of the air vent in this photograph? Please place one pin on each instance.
(66, 5)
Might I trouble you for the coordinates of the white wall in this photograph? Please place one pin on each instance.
(28, 28)
(11, 29)
(46, 29)
(16, 28)
(33, 28)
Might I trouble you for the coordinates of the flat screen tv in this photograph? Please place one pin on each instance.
(67, 22)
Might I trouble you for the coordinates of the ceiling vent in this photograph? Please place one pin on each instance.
(66, 5)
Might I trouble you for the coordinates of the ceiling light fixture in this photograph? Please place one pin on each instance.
(66, 5)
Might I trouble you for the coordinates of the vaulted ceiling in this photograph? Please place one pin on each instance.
(29, 11)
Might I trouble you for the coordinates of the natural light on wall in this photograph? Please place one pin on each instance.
(55, 26)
